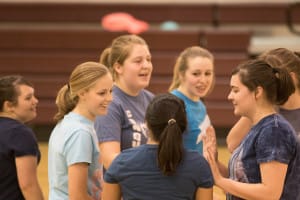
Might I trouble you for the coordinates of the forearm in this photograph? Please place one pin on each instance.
(223, 169)
(237, 133)
(32, 191)
(249, 191)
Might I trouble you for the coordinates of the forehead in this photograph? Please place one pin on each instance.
(104, 82)
(139, 50)
(200, 63)
(235, 81)
(24, 89)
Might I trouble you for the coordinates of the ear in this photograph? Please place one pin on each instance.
(8, 106)
(258, 92)
(181, 76)
(118, 68)
(81, 94)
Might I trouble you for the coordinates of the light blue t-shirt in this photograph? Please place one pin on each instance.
(198, 121)
(73, 140)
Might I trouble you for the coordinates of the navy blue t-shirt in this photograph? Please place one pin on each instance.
(271, 139)
(139, 176)
(16, 140)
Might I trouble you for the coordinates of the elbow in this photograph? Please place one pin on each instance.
(230, 146)
(27, 186)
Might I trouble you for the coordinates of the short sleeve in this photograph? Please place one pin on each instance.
(275, 143)
(79, 148)
(205, 174)
(111, 175)
(108, 127)
(24, 142)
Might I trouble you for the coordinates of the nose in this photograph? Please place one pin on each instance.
(35, 100)
(229, 97)
(109, 97)
(147, 64)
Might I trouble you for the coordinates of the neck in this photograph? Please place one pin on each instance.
(8, 115)
(83, 112)
(260, 113)
(125, 88)
(293, 102)
(151, 141)
(183, 91)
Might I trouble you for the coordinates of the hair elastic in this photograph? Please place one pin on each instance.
(171, 121)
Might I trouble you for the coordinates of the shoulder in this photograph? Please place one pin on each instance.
(147, 94)
(195, 157)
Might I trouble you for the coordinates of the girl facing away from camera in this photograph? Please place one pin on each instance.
(162, 168)
(73, 154)
(266, 165)
(193, 79)
(129, 60)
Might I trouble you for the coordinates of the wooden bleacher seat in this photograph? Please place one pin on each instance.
(45, 41)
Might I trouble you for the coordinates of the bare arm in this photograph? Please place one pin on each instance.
(204, 193)
(111, 192)
(270, 188)
(109, 150)
(78, 181)
(237, 133)
(27, 177)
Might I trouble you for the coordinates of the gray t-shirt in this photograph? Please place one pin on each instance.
(125, 119)
(293, 117)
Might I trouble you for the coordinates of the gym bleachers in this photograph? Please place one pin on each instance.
(45, 41)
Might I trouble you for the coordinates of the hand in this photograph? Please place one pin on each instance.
(210, 142)
(210, 157)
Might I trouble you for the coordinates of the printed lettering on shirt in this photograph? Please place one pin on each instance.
(139, 129)
(136, 139)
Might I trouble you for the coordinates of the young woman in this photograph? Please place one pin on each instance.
(282, 58)
(123, 127)
(193, 79)
(160, 169)
(73, 157)
(19, 151)
(266, 165)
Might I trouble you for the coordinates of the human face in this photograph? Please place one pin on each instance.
(242, 98)
(135, 73)
(25, 109)
(198, 78)
(96, 99)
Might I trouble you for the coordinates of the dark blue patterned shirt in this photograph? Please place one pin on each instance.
(271, 139)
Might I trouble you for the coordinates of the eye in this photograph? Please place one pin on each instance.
(102, 93)
(208, 73)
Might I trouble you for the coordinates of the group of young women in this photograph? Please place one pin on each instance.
(156, 147)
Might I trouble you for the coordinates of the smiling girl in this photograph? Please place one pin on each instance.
(19, 152)
(124, 127)
(73, 154)
(193, 79)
